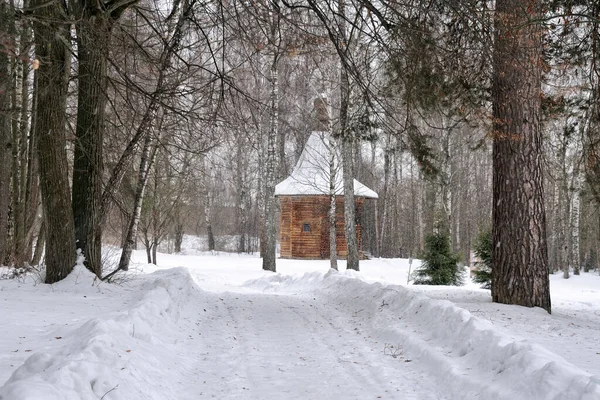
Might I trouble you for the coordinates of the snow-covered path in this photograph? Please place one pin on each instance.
(222, 328)
(296, 347)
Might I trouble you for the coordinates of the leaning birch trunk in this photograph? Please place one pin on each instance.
(575, 221)
(332, 208)
(148, 119)
(145, 165)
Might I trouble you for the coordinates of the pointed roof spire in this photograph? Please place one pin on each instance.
(311, 173)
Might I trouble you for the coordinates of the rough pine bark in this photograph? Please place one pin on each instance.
(51, 36)
(519, 258)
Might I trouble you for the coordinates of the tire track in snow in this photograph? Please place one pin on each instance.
(264, 346)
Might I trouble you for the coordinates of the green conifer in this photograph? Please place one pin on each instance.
(440, 264)
(483, 251)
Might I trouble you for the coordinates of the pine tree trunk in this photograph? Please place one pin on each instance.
(51, 36)
(520, 256)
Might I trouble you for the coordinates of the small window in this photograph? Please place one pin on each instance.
(306, 228)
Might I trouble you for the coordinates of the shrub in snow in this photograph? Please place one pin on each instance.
(440, 264)
(483, 251)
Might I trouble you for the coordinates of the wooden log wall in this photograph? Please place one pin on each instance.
(301, 212)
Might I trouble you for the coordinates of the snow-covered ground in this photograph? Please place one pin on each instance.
(220, 327)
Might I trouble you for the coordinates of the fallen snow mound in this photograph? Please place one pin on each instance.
(107, 358)
(469, 355)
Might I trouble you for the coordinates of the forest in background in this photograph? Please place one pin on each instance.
(135, 122)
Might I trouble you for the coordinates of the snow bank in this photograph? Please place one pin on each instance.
(117, 357)
(469, 355)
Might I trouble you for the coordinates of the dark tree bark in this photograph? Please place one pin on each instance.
(23, 227)
(520, 259)
(93, 40)
(51, 34)
(92, 45)
(5, 137)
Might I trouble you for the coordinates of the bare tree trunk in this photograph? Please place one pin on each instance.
(51, 36)
(5, 138)
(93, 36)
(39, 244)
(145, 164)
(384, 201)
(94, 27)
(554, 259)
(23, 230)
(32, 202)
(352, 261)
(270, 249)
(520, 255)
(170, 48)
(332, 209)
(178, 236)
(241, 198)
(207, 205)
(575, 219)
(269, 256)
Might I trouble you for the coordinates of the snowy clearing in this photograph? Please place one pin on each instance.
(223, 328)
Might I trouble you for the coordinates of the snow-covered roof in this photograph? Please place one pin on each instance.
(311, 173)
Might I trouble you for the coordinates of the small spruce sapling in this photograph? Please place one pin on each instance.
(483, 251)
(440, 264)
